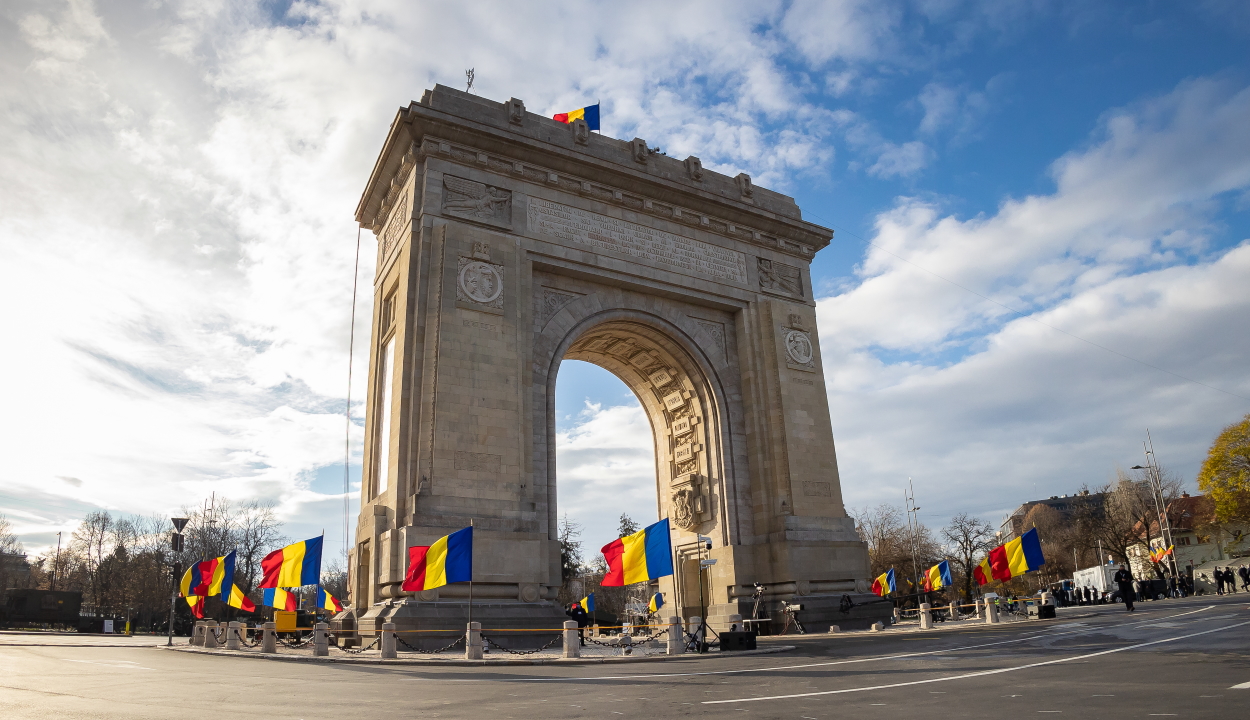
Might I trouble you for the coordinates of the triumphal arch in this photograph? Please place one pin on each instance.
(508, 242)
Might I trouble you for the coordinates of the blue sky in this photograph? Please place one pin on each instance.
(182, 175)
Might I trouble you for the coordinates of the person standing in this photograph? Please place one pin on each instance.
(1245, 577)
(1230, 579)
(1219, 581)
(1124, 579)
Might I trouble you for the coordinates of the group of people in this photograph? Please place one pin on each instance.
(1226, 579)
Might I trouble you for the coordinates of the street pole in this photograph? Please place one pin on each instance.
(911, 510)
(56, 562)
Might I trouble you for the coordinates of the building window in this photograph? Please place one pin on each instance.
(1182, 540)
(382, 438)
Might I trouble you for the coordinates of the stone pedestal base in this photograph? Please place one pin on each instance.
(443, 621)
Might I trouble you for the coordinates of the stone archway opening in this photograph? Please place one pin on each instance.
(606, 471)
(680, 406)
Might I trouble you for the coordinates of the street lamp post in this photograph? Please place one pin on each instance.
(175, 566)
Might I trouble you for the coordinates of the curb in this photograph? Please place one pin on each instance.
(450, 662)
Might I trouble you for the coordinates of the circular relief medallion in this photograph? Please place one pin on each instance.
(481, 282)
(799, 347)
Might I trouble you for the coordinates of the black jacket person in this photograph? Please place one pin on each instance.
(1124, 579)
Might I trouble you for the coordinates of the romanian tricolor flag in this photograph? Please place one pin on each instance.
(1158, 555)
(588, 603)
(983, 573)
(938, 577)
(197, 605)
(657, 602)
(295, 565)
(645, 555)
(884, 584)
(208, 577)
(590, 114)
(326, 601)
(448, 560)
(237, 599)
(279, 599)
(1017, 557)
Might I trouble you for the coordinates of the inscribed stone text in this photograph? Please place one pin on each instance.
(660, 378)
(600, 232)
(674, 400)
(682, 426)
(478, 462)
(480, 326)
(817, 489)
(685, 452)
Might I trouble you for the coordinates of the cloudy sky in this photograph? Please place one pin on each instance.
(1041, 213)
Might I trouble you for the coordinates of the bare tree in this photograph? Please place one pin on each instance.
(892, 543)
(257, 531)
(12, 556)
(968, 538)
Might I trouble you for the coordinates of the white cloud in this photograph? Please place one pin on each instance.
(968, 397)
(179, 182)
(606, 466)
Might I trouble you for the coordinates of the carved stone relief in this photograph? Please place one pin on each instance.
(516, 111)
(716, 330)
(395, 226)
(554, 301)
(778, 277)
(580, 130)
(480, 282)
(799, 348)
(479, 201)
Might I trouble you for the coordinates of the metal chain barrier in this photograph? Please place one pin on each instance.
(445, 648)
(298, 644)
(376, 639)
(553, 641)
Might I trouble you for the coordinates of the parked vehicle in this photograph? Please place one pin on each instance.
(1099, 577)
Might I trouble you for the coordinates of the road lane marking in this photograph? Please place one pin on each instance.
(1243, 686)
(982, 673)
(878, 658)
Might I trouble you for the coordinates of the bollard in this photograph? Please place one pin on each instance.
(953, 613)
(321, 640)
(210, 635)
(676, 643)
(877, 627)
(1048, 598)
(572, 644)
(388, 642)
(473, 641)
(627, 628)
(269, 639)
(926, 616)
(991, 612)
(897, 616)
(197, 634)
(233, 640)
(835, 629)
(980, 610)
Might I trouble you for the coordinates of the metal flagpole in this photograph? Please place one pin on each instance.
(470, 574)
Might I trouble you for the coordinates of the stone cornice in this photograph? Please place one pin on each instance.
(654, 187)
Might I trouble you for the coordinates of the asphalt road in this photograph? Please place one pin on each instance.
(1175, 658)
